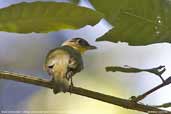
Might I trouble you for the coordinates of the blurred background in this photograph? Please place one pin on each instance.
(25, 54)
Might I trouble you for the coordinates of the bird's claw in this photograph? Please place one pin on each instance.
(69, 75)
(71, 85)
(70, 89)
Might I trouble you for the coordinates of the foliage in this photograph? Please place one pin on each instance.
(43, 17)
(138, 22)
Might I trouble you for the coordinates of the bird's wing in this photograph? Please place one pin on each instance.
(57, 62)
(57, 66)
(75, 64)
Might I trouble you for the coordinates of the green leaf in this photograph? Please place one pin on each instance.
(138, 22)
(43, 17)
(75, 1)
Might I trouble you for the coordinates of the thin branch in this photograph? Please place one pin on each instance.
(140, 97)
(129, 104)
(158, 71)
(165, 105)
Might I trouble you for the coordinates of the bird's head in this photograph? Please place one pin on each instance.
(79, 44)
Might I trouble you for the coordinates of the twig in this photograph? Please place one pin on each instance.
(83, 92)
(165, 105)
(157, 70)
(140, 97)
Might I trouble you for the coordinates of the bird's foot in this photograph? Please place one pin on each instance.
(71, 86)
(70, 89)
(69, 75)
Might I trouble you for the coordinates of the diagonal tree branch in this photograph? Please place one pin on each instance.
(165, 105)
(140, 97)
(129, 104)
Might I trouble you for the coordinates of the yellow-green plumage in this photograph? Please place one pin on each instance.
(64, 62)
(60, 62)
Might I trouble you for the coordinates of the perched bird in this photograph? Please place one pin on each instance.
(65, 61)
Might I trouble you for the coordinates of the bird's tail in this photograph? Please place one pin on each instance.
(61, 84)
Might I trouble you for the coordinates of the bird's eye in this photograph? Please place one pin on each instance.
(83, 43)
(50, 67)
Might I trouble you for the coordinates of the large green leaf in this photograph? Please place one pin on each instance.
(138, 22)
(45, 17)
(75, 1)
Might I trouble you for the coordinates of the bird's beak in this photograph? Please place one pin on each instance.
(90, 47)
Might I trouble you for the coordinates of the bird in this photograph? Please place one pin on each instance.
(63, 62)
